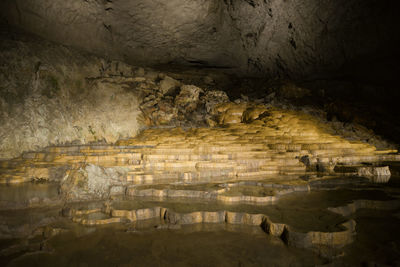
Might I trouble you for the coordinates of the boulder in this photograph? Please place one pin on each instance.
(213, 98)
(168, 85)
(188, 98)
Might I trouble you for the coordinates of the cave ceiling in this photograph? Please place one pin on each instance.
(290, 38)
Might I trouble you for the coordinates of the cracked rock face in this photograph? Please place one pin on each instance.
(52, 95)
(281, 38)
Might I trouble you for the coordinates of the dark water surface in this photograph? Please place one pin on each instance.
(60, 242)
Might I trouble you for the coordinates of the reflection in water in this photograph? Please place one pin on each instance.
(213, 245)
(47, 236)
(26, 191)
(382, 179)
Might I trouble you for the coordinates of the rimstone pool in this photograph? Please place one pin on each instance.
(240, 196)
(346, 221)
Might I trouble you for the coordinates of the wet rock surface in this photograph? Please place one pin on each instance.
(329, 230)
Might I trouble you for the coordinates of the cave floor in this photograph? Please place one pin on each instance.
(344, 220)
(281, 189)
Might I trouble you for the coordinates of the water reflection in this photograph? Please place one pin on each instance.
(151, 242)
(382, 179)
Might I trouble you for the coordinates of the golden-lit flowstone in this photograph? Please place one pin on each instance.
(250, 158)
(273, 142)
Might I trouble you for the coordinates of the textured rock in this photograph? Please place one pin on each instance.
(90, 182)
(52, 95)
(188, 98)
(213, 98)
(294, 38)
(168, 85)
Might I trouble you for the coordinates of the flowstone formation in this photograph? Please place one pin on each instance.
(242, 160)
(247, 140)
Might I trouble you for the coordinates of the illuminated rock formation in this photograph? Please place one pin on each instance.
(250, 134)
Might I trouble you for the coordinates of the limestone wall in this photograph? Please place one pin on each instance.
(49, 94)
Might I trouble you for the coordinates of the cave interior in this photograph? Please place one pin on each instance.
(199, 132)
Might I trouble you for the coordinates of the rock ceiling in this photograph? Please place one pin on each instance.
(281, 38)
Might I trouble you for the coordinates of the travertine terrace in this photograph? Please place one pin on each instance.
(280, 142)
(254, 156)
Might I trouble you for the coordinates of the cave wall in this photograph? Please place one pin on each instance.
(283, 38)
(51, 94)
